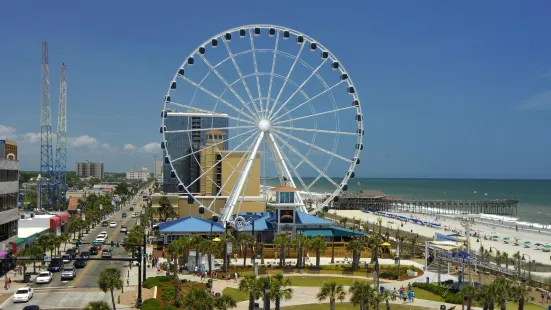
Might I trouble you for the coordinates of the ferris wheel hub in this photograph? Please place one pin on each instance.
(264, 125)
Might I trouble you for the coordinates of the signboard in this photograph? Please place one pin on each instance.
(229, 248)
(83, 216)
(58, 231)
(95, 243)
(286, 216)
(47, 258)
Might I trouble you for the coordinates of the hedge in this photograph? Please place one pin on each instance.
(156, 281)
(150, 304)
(448, 295)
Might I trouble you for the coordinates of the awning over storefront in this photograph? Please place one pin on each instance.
(316, 232)
(64, 217)
(343, 232)
(16, 244)
(3, 254)
(55, 222)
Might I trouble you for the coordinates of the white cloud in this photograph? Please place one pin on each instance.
(539, 101)
(106, 146)
(7, 132)
(32, 137)
(129, 147)
(83, 141)
(152, 147)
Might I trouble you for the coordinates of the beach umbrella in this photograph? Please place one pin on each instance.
(538, 244)
(547, 246)
(506, 238)
(527, 242)
(385, 244)
(216, 240)
(495, 236)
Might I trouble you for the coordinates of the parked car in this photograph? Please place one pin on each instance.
(106, 253)
(68, 273)
(44, 277)
(80, 263)
(23, 294)
(113, 224)
(104, 224)
(93, 251)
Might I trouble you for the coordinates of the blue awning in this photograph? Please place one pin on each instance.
(316, 232)
(343, 232)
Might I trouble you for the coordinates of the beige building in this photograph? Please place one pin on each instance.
(87, 169)
(217, 174)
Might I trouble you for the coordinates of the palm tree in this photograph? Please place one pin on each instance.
(196, 243)
(365, 226)
(244, 241)
(518, 257)
(282, 241)
(251, 285)
(97, 305)
(362, 294)
(224, 302)
(279, 289)
(469, 292)
(35, 252)
(210, 248)
(356, 247)
(300, 242)
(109, 280)
(343, 221)
(503, 289)
(198, 299)
(519, 293)
(413, 239)
(498, 258)
(379, 297)
(320, 214)
(166, 210)
(484, 295)
(185, 244)
(331, 291)
(505, 257)
(317, 244)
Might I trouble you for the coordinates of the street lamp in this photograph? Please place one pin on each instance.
(496, 251)
(529, 266)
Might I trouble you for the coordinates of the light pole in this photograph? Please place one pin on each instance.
(529, 266)
(496, 252)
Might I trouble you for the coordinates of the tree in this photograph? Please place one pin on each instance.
(317, 244)
(34, 251)
(279, 289)
(505, 257)
(244, 241)
(282, 241)
(362, 294)
(343, 221)
(253, 287)
(210, 248)
(356, 247)
(224, 302)
(166, 210)
(97, 305)
(469, 292)
(331, 291)
(110, 280)
(185, 244)
(121, 189)
(413, 239)
(300, 241)
(198, 299)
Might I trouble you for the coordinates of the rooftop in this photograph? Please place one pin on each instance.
(285, 188)
(190, 224)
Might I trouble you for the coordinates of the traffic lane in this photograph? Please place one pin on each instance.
(89, 275)
(65, 299)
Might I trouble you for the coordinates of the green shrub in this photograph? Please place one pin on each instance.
(449, 296)
(156, 281)
(169, 308)
(150, 304)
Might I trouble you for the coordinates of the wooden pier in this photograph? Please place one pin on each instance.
(382, 203)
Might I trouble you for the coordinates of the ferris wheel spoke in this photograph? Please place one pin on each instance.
(219, 161)
(241, 76)
(317, 130)
(274, 121)
(217, 143)
(297, 175)
(231, 174)
(286, 79)
(306, 160)
(208, 129)
(228, 86)
(300, 87)
(209, 112)
(208, 92)
(313, 115)
(272, 74)
(314, 146)
(256, 73)
(234, 195)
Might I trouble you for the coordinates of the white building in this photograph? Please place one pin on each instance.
(9, 214)
(158, 168)
(138, 174)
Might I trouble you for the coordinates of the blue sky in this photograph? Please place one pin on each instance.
(449, 89)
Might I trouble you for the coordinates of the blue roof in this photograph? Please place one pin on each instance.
(261, 223)
(316, 232)
(307, 219)
(190, 224)
(344, 232)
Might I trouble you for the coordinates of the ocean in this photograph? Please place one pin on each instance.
(534, 196)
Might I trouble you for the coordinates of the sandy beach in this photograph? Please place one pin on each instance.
(454, 224)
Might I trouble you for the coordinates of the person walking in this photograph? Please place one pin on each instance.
(6, 283)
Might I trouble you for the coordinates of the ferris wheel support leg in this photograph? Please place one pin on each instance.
(282, 170)
(239, 187)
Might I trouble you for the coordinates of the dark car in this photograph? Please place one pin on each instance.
(72, 252)
(124, 215)
(93, 251)
(104, 224)
(85, 255)
(31, 307)
(80, 263)
(55, 265)
(131, 208)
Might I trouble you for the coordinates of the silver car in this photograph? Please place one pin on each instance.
(68, 273)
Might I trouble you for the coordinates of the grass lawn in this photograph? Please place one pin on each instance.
(527, 306)
(236, 294)
(422, 294)
(348, 306)
(318, 281)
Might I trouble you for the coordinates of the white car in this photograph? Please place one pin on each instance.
(113, 224)
(68, 273)
(23, 294)
(66, 258)
(103, 233)
(44, 277)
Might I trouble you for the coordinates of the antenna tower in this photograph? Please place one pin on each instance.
(46, 156)
(61, 140)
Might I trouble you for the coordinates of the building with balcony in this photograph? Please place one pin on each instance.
(8, 150)
(87, 169)
(9, 196)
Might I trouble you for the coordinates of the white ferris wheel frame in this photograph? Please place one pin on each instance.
(265, 118)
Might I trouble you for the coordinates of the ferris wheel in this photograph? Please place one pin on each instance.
(255, 102)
